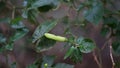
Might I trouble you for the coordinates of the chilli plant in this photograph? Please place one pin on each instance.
(96, 12)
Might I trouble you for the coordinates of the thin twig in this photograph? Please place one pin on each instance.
(104, 45)
(100, 58)
(96, 59)
(108, 37)
(111, 56)
(13, 12)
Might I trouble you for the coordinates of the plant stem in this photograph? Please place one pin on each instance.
(108, 37)
(97, 61)
(111, 56)
(100, 58)
(13, 12)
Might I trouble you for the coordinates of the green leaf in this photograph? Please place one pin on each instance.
(2, 49)
(117, 64)
(32, 66)
(42, 29)
(104, 31)
(116, 48)
(9, 46)
(13, 65)
(25, 13)
(80, 7)
(79, 40)
(32, 15)
(45, 8)
(40, 3)
(19, 34)
(44, 44)
(95, 13)
(71, 39)
(21, 30)
(48, 60)
(35, 64)
(45, 5)
(2, 38)
(77, 55)
(87, 46)
(111, 21)
(69, 52)
(63, 65)
(30, 2)
(17, 23)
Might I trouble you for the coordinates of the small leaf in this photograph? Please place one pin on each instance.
(19, 34)
(2, 49)
(104, 31)
(32, 66)
(87, 46)
(20, 28)
(69, 52)
(79, 40)
(2, 38)
(25, 13)
(48, 60)
(17, 23)
(95, 13)
(40, 3)
(32, 15)
(35, 64)
(42, 29)
(80, 7)
(63, 65)
(71, 39)
(117, 64)
(13, 65)
(111, 22)
(9, 46)
(44, 44)
(77, 55)
(45, 8)
(25, 3)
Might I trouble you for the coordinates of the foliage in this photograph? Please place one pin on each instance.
(42, 29)
(94, 11)
(48, 62)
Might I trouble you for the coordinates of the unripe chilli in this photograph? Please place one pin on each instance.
(54, 37)
(45, 65)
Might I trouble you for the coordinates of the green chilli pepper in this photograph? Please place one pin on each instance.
(54, 37)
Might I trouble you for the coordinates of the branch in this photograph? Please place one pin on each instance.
(111, 56)
(108, 37)
(97, 61)
(13, 12)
